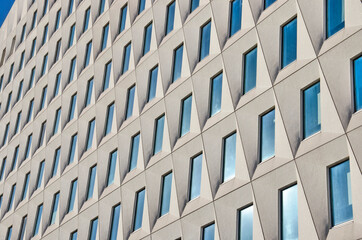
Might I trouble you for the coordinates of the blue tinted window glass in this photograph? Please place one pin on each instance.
(229, 157)
(340, 193)
(38, 219)
(11, 72)
(312, 110)
(91, 181)
(71, 35)
(6, 134)
(159, 135)
(91, 127)
(194, 4)
(45, 34)
(1, 81)
(20, 90)
(33, 45)
(15, 158)
(216, 92)
(86, 19)
(195, 182)
(72, 69)
(186, 115)
(141, 6)
(267, 3)
(208, 233)
(250, 62)
(74, 235)
(45, 64)
(57, 121)
(57, 21)
(246, 223)
(21, 64)
(57, 84)
(357, 75)
(116, 212)
(130, 101)
(289, 47)
(40, 175)
(73, 103)
(235, 19)
(93, 229)
(134, 152)
(8, 103)
(289, 215)
(23, 33)
(112, 167)
(8, 234)
(88, 54)
(70, 8)
(107, 75)
(147, 39)
(101, 6)
(267, 138)
(170, 17)
(126, 57)
(32, 77)
(55, 208)
(2, 170)
(109, 122)
(205, 41)
(73, 193)
(166, 194)
(30, 111)
(12, 196)
(34, 20)
(28, 146)
(43, 97)
(177, 63)
(42, 134)
(140, 199)
(1, 200)
(153, 83)
(105, 36)
(335, 16)
(73, 146)
(23, 227)
(122, 24)
(89, 92)
(56, 162)
(26, 186)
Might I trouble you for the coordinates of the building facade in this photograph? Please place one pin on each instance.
(181, 119)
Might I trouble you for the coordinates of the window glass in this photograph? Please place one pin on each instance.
(57, 121)
(88, 54)
(91, 181)
(140, 198)
(250, 63)
(23, 227)
(126, 57)
(73, 193)
(208, 232)
(73, 102)
(166, 194)
(110, 112)
(107, 75)
(56, 161)
(177, 63)
(71, 35)
(101, 6)
(158, 135)
(38, 219)
(73, 146)
(115, 221)
(312, 110)
(2, 171)
(194, 4)
(122, 24)
(40, 174)
(86, 19)
(93, 229)
(91, 127)
(229, 157)
(8, 234)
(216, 94)
(141, 6)
(70, 8)
(289, 218)
(54, 208)
(74, 235)
(57, 21)
(12, 196)
(57, 84)
(357, 75)
(235, 18)
(205, 40)
(105, 36)
(112, 167)
(246, 223)
(170, 17)
(186, 115)
(147, 39)
(42, 134)
(45, 64)
(28, 146)
(26, 186)
(72, 69)
(153, 83)
(340, 193)
(43, 97)
(45, 34)
(15, 158)
(195, 182)
(134, 152)
(289, 47)
(33, 45)
(89, 92)
(267, 138)
(335, 16)
(267, 3)
(130, 101)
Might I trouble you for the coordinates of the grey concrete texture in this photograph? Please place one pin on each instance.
(304, 162)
